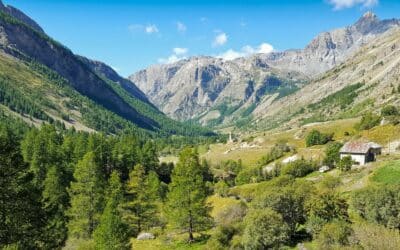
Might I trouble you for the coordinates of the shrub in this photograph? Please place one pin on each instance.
(265, 229)
(368, 121)
(250, 175)
(221, 188)
(298, 168)
(335, 234)
(332, 156)
(389, 110)
(379, 205)
(315, 137)
(345, 163)
(275, 153)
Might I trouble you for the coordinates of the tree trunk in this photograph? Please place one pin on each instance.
(191, 239)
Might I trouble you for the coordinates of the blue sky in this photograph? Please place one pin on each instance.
(131, 35)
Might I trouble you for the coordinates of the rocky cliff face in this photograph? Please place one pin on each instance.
(329, 49)
(192, 88)
(196, 87)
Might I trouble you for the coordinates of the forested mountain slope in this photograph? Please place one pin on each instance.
(107, 102)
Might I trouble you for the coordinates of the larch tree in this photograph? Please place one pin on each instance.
(140, 209)
(112, 232)
(186, 206)
(86, 194)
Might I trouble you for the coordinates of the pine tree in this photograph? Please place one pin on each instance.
(149, 156)
(55, 201)
(186, 205)
(112, 232)
(140, 208)
(21, 216)
(86, 194)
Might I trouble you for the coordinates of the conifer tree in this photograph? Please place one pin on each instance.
(55, 201)
(112, 232)
(86, 194)
(186, 205)
(149, 156)
(21, 215)
(140, 208)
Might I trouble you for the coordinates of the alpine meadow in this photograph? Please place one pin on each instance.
(200, 125)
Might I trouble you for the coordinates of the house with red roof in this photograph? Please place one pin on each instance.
(361, 152)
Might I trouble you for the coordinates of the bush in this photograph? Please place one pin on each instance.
(265, 229)
(221, 188)
(368, 121)
(275, 153)
(335, 234)
(379, 205)
(332, 156)
(299, 168)
(389, 110)
(345, 163)
(250, 175)
(315, 137)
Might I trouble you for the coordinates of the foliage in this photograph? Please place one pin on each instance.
(335, 234)
(140, 210)
(86, 194)
(389, 110)
(265, 229)
(186, 205)
(288, 200)
(368, 121)
(315, 137)
(341, 98)
(299, 168)
(221, 188)
(112, 232)
(323, 208)
(275, 153)
(20, 211)
(345, 163)
(332, 156)
(380, 205)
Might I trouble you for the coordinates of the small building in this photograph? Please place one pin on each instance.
(361, 152)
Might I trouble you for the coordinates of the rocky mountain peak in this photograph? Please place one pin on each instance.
(16, 13)
(367, 22)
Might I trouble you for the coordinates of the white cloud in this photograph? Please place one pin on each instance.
(151, 28)
(247, 50)
(220, 39)
(181, 27)
(180, 51)
(148, 29)
(343, 4)
(177, 54)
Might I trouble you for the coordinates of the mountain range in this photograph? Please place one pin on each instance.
(340, 73)
(216, 92)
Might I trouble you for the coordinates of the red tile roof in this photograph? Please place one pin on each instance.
(359, 147)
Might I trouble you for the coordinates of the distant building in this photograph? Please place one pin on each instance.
(361, 152)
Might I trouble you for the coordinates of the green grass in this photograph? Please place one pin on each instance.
(389, 174)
